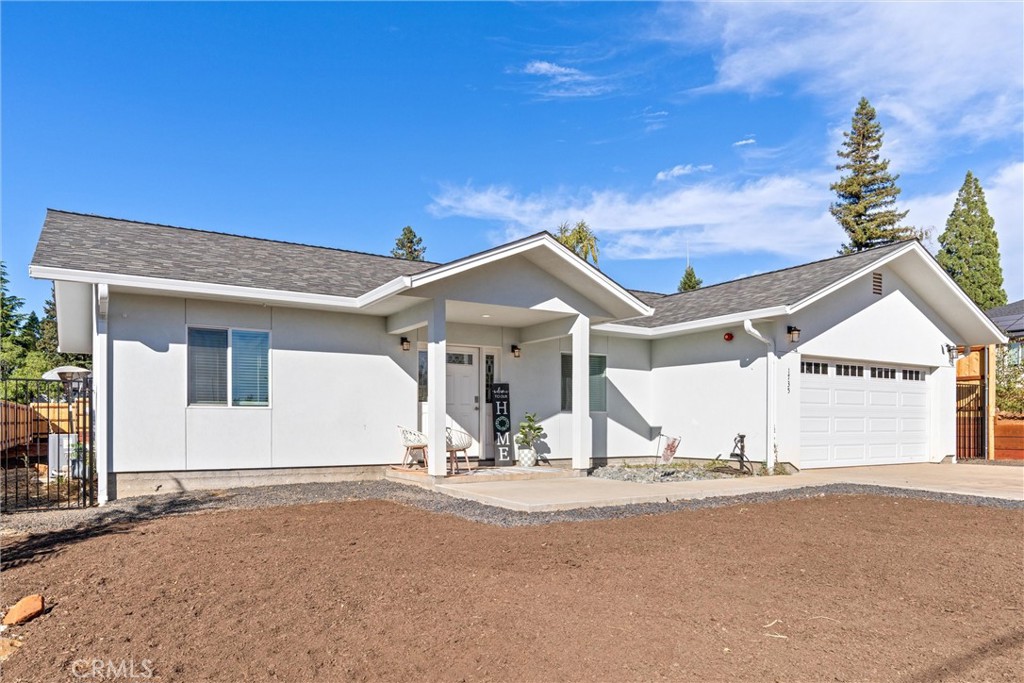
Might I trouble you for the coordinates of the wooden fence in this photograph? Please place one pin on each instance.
(1009, 439)
(20, 424)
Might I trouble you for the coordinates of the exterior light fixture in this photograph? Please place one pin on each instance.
(794, 334)
(406, 344)
(515, 350)
(952, 351)
(727, 336)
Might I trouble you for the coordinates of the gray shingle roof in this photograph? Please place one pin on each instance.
(108, 245)
(778, 288)
(1009, 318)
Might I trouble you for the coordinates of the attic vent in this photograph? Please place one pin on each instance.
(876, 283)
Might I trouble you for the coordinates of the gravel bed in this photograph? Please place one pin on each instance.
(650, 474)
(135, 510)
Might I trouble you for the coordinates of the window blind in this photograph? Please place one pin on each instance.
(598, 384)
(207, 367)
(249, 368)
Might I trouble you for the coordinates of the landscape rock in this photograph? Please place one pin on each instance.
(26, 609)
(8, 646)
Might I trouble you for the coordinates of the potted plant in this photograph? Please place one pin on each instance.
(530, 432)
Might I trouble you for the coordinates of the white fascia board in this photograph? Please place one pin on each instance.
(931, 263)
(521, 247)
(271, 296)
(620, 330)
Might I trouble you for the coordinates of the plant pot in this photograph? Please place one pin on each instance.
(527, 457)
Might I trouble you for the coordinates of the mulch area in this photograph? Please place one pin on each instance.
(837, 587)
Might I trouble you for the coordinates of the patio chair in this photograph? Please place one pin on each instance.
(456, 441)
(413, 441)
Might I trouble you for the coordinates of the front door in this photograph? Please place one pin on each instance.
(462, 378)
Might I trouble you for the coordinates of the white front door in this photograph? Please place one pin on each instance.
(462, 378)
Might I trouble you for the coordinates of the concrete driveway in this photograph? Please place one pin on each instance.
(575, 492)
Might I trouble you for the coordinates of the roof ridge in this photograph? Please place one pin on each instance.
(799, 265)
(231, 234)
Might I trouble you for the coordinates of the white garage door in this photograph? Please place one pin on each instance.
(855, 413)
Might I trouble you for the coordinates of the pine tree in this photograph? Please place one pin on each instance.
(689, 281)
(409, 245)
(579, 239)
(10, 307)
(970, 247)
(867, 194)
(28, 335)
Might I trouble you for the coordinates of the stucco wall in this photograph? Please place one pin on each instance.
(338, 386)
(706, 390)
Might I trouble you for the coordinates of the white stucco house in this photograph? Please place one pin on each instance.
(218, 355)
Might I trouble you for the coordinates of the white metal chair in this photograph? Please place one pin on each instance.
(413, 441)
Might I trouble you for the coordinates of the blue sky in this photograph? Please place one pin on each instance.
(708, 128)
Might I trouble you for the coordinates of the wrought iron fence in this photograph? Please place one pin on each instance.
(47, 451)
(970, 420)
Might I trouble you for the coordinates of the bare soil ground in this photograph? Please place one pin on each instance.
(832, 588)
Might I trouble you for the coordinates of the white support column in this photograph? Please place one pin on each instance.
(582, 432)
(100, 393)
(437, 399)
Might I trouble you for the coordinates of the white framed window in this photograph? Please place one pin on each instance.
(883, 373)
(598, 383)
(228, 364)
(808, 367)
(914, 375)
(849, 370)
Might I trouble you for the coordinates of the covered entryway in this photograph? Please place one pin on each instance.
(861, 413)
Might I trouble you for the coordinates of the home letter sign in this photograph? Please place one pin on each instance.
(503, 454)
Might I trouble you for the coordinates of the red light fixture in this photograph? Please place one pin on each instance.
(727, 336)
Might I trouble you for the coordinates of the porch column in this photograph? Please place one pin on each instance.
(100, 393)
(582, 435)
(437, 398)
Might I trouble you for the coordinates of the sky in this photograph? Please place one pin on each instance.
(705, 131)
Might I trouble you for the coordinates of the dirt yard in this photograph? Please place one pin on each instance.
(836, 588)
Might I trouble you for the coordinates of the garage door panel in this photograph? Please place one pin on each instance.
(849, 397)
(851, 425)
(848, 420)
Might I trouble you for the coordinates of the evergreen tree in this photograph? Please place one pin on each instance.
(28, 336)
(10, 307)
(579, 239)
(409, 245)
(689, 281)
(970, 247)
(867, 194)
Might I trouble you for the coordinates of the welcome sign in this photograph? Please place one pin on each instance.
(504, 456)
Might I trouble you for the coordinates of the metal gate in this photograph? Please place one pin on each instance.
(47, 448)
(970, 420)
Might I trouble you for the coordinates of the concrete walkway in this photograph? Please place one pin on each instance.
(566, 494)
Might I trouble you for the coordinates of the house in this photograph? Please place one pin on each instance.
(220, 358)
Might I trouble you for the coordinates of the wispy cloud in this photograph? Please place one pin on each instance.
(557, 80)
(714, 218)
(653, 119)
(681, 170)
(922, 65)
(744, 141)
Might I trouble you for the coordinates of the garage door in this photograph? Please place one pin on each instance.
(855, 413)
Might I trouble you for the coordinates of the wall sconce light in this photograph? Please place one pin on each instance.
(515, 351)
(406, 344)
(953, 353)
(794, 334)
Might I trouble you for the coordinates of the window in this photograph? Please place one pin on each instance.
(813, 368)
(212, 351)
(489, 378)
(849, 370)
(598, 383)
(913, 375)
(1014, 353)
(883, 373)
(422, 384)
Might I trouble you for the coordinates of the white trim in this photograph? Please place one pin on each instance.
(620, 330)
(271, 296)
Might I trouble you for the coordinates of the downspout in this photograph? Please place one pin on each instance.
(770, 397)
